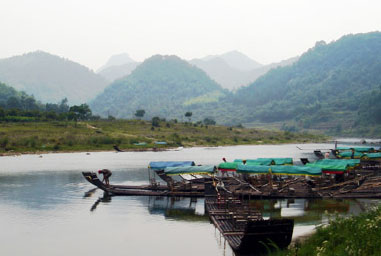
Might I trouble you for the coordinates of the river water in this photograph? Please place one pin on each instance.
(47, 207)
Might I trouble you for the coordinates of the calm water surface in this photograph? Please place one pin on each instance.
(47, 207)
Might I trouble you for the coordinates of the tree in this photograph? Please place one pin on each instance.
(13, 103)
(189, 115)
(140, 113)
(82, 112)
(156, 121)
(209, 121)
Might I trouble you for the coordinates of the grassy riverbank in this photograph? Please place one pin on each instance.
(132, 135)
(356, 235)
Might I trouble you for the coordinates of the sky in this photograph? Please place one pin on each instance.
(90, 31)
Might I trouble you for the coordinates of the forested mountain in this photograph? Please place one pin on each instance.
(332, 86)
(230, 76)
(51, 78)
(164, 86)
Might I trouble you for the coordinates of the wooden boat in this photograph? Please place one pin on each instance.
(144, 190)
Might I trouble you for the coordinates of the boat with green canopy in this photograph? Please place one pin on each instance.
(348, 155)
(374, 156)
(350, 162)
(280, 170)
(228, 166)
(263, 161)
(266, 161)
(280, 161)
(190, 170)
(161, 165)
(357, 149)
(331, 167)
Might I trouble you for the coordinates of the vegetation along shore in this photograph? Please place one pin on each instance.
(355, 235)
(63, 136)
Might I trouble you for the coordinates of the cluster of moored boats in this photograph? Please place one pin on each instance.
(347, 173)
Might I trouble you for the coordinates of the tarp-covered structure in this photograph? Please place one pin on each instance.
(161, 165)
(279, 170)
(348, 154)
(373, 155)
(266, 161)
(337, 167)
(192, 170)
(357, 149)
(228, 166)
(350, 162)
(255, 161)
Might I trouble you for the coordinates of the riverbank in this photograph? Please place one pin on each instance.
(355, 235)
(133, 135)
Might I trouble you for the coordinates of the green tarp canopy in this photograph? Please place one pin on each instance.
(204, 169)
(357, 149)
(350, 162)
(264, 161)
(348, 154)
(330, 167)
(161, 165)
(363, 149)
(373, 155)
(279, 161)
(280, 170)
(343, 148)
(227, 166)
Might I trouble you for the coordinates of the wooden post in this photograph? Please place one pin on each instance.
(270, 179)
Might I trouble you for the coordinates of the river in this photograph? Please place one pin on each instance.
(47, 207)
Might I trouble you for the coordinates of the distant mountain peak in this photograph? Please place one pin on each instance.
(240, 61)
(117, 60)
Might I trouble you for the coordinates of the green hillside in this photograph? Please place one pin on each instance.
(334, 87)
(164, 86)
(11, 98)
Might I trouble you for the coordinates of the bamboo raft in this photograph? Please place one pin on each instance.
(244, 228)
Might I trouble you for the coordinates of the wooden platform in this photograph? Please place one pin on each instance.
(244, 228)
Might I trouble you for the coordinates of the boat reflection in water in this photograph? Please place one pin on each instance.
(306, 213)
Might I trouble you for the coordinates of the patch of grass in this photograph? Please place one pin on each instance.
(103, 134)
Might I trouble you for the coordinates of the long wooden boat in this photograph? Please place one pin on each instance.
(144, 190)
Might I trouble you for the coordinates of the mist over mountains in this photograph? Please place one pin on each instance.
(230, 76)
(51, 78)
(334, 87)
(117, 60)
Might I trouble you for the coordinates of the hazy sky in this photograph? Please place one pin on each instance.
(90, 31)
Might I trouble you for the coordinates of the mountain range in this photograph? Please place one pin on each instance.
(231, 70)
(222, 69)
(51, 78)
(163, 86)
(333, 87)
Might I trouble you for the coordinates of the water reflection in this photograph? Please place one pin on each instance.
(305, 212)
